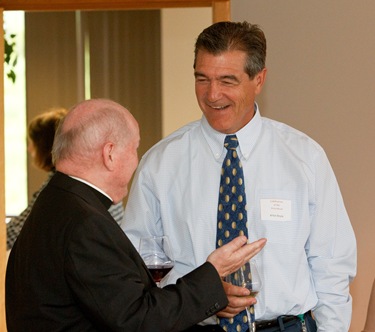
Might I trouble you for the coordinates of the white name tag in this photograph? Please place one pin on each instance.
(276, 209)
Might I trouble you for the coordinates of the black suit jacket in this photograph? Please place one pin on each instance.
(72, 268)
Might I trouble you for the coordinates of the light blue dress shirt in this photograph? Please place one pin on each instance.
(293, 200)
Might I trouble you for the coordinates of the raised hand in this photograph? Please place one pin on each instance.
(230, 257)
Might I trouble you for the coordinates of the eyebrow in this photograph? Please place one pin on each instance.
(224, 77)
(198, 74)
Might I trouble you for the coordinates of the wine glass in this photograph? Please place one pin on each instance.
(157, 254)
(248, 276)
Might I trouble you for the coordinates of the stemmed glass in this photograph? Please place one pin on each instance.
(157, 254)
(248, 276)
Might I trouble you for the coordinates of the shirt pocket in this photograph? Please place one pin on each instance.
(280, 216)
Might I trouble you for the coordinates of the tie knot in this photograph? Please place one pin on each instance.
(231, 142)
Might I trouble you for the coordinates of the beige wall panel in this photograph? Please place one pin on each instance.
(179, 29)
(51, 72)
(321, 81)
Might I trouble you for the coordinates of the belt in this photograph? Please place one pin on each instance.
(278, 322)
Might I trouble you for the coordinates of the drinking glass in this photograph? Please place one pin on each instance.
(247, 276)
(157, 254)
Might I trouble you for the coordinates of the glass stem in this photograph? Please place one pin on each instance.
(252, 327)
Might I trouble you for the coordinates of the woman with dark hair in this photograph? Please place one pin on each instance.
(41, 132)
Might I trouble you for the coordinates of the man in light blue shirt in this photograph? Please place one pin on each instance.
(293, 198)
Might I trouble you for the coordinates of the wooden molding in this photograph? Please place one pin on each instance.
(100, 4)
(221, 11)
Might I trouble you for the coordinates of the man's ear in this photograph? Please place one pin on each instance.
(260, 78)
(108, 158)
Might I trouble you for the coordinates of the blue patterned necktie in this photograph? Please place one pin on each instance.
(232, 216)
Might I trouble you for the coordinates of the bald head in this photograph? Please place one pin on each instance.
(97, 141)
(88, 126)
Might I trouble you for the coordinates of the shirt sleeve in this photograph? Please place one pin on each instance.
(331, 251)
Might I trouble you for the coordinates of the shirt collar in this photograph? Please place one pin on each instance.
(247, 136)
(92, 186)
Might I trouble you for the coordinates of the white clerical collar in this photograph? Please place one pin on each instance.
(92, 186)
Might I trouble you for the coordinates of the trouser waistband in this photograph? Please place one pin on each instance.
(279, 321)
(282, 322)
(264, 325)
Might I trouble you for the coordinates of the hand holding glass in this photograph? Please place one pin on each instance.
(247, 276)
(157, 255)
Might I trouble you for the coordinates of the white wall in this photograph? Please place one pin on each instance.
(321, 80)
(180, 28)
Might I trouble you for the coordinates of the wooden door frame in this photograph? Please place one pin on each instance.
(220, 12)
(220, 8)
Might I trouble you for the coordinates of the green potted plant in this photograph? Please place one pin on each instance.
(10, 56)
